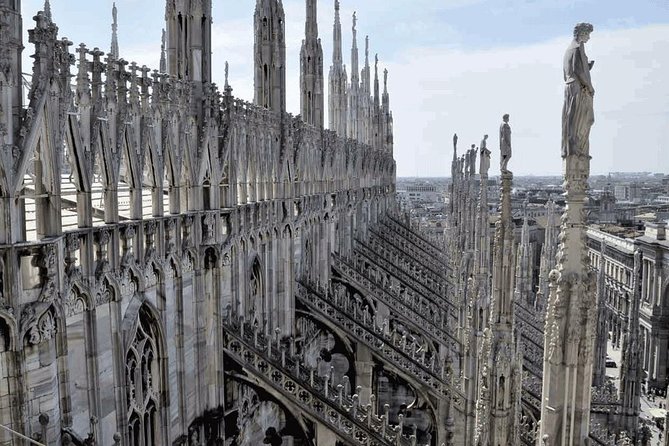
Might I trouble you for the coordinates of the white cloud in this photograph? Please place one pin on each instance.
(436, 92)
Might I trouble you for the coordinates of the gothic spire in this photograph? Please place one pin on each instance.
(311, 22)
(338, 102)
(114, 39)
(499, 382)
(376, 81)
(355, 76)
(47, 10)
(163, 59)
(337, 59)
(270, 55)
(311, 70)
(352, 121)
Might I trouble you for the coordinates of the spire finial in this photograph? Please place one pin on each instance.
(114, 42)
(385, 80)
(163, 59)
(47, 10)
(367, 50)
(226, 74)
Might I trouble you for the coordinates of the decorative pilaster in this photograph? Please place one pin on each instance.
(599, 365)
(523, 291)
(630, 370)
(548, 252)
(571, 315)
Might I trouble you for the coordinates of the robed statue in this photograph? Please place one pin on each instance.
(505, 143)
(577, 113)
(484, 164)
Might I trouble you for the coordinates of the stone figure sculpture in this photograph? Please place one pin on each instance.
(484, 164)
(505, 143)
(577, 113)
(455, 141)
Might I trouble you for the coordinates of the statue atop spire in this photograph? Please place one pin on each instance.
(571, 313)
(114, 40)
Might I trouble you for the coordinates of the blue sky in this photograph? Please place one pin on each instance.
(455, 66)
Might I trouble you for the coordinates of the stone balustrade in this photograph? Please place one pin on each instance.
(361, 325)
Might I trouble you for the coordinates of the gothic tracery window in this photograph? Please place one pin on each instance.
(142, 378)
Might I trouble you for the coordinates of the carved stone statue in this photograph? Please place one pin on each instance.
(455, 141)
(505, 143)
(577, 113)
(484, 164)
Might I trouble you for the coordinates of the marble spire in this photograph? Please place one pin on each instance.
(311, 70)
(548, 251)
(501, 369)
(163, 55)
(338, 80)
(365, 115)
(523, 291)
(571, 313)
(352, 121)
(47, 10)
(114, 39)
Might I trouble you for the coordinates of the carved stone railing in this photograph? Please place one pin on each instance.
(425, 245)
(532, 388)
(405, 310)
(362, 326)
(433, 300)
(403, 247)
(383, 247)
(271, 362)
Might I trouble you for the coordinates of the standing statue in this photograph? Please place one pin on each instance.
(472, 162)
(505, 143)
(578, 115)
(455, 142)
(484, 164)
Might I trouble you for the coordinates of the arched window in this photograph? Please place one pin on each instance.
(256, 292)
(142, 379)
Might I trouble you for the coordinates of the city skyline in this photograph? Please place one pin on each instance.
(454, 67)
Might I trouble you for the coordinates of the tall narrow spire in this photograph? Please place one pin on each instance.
(114, 39)
(336, 36)
(337, 107)
(376, 81)
(352, 121)
(311, 70)
(364, 101)
(501, 371)
(571, 313)
(189, 40)
(270, 55)
(163, 57)
(47, 10)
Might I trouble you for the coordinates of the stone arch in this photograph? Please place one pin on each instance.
(256, 290)
(8, 331)
(145, 376)
(294, 422)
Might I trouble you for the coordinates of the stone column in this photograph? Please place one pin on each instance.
(364, 370)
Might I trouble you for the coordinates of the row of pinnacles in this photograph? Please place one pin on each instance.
(227, 202)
